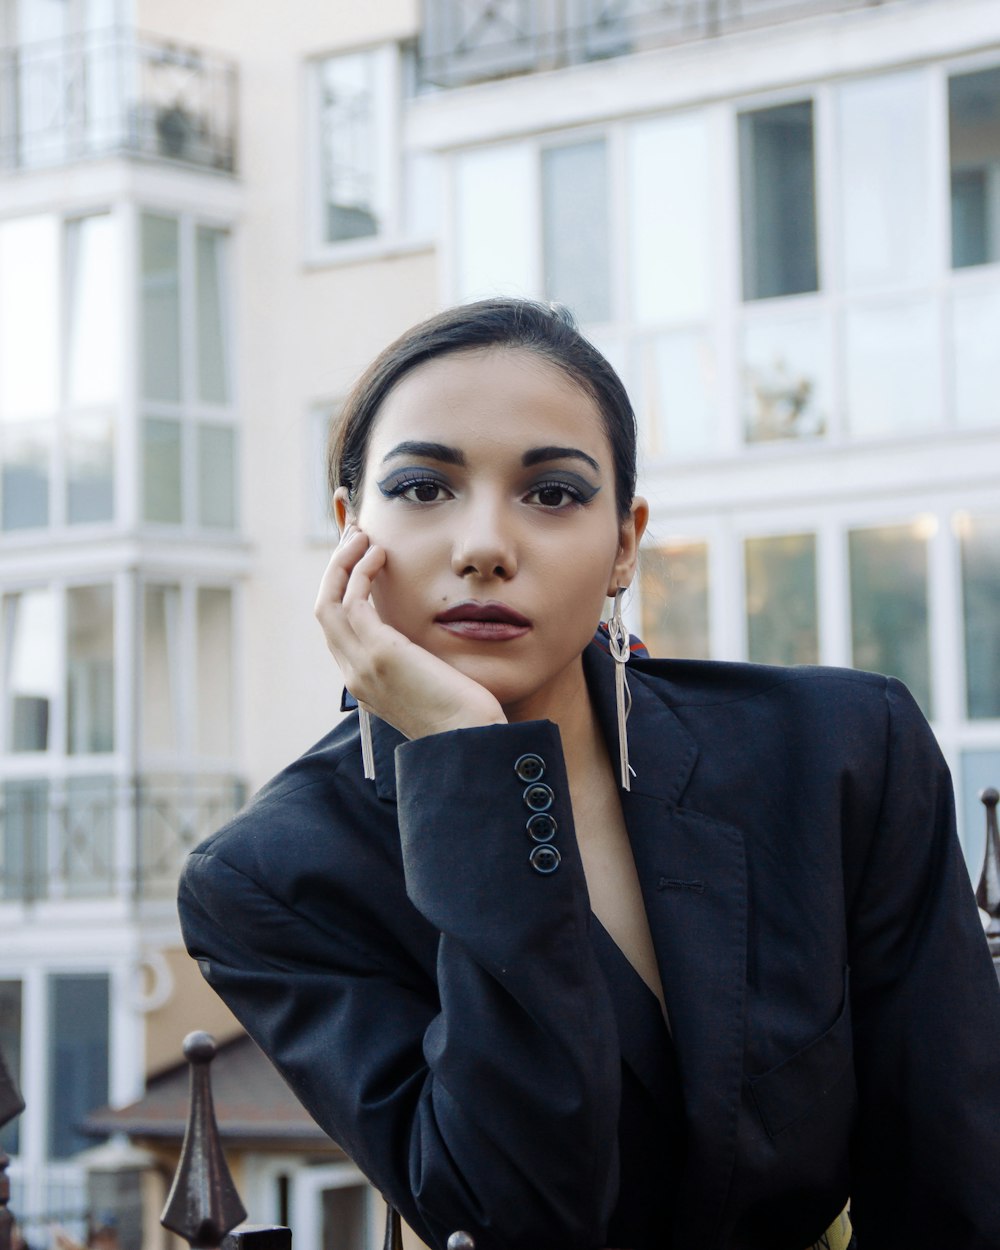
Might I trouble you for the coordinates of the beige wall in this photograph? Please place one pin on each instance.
(191, 1005)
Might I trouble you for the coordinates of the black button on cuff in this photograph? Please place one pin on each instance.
(544, 859)
(530, 767)
(538, 797)
(542, 827)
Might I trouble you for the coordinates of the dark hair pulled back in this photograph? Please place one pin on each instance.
(547, 330)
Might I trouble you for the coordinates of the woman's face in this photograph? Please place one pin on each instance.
(489, 482)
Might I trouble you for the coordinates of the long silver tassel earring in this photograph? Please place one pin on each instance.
(367, 750)
(618, 640)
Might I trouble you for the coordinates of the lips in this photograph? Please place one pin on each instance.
(487, 622)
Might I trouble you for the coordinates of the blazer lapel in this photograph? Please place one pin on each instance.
(692, 871)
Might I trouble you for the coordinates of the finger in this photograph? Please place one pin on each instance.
(359, 584)
(335, 577)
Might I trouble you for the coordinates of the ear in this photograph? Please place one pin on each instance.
(343, 513)
(632, 530)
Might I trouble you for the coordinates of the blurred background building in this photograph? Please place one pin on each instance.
(779, 218)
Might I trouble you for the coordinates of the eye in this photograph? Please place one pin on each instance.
(415, 489)
(557, 495)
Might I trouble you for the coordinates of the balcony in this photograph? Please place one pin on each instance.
(469, 41)
(102, 838)
(115, 93)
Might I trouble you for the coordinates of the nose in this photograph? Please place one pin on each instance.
(484, 544)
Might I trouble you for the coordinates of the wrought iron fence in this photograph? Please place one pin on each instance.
(108, 838)
(115, 92)
(467, 41)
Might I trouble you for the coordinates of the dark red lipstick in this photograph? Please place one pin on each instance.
(485, 622)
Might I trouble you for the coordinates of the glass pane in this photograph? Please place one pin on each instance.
(32, 668)
(213, 365)
(90, 483)
(93, 356)
(778, 201)
(979, 769)
(25, 839)
(90, 670)
(974, 136)
(161, 668)
(674, 582)
(575, 229)
(781, 599)
(161, 313)
(980, 542)
(976, 330)
(495, 244)
(884, 173)
(26, 452)
(349, 146)
(29, 318)
(78, 1055)
(678, 403)
(87, 837)
(10, 1048)
(161, 471)
(893, 368)
(345, 1224)
(671, 244)
(889, 605)
(786, 376)
(217, 476)
(215, 680)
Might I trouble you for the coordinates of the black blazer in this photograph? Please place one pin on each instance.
(437, 1004)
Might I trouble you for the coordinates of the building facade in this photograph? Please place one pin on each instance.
(779, 219)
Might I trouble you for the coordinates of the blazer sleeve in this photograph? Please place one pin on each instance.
(489, 1102)
(926, 1011)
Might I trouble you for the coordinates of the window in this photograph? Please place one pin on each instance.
(189, 442)
(345, 1217)
(889, 618)
(980, 546)
(576, 228)
(25, 839)
(90, 669)
(974, 142)
(78, 1057)
(782, 626)
(786, 377)
(10, 1048)
(979, 769)
(674, 583)
(32, 666)
(778, 201)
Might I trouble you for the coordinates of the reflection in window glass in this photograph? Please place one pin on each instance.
(345, 1218)
(29, 317)
(976, 330)
(217, 476)
(671, 242)
(979, 769)
(778, 201)
(78, 1055)
(211, 285)
(349, 146)
(10, 1048)
(495, 245)
(87, 837)
(678, 405)
(889, 605)
(214, 671)
(893, 368)
(161, 471)
(32, 668)
(974, 139)
(781, 599)
(786, 374)
(93, 325)
(90, 470)
(674, 582)
(25, 840)
(161, 668)
(161, 315)
(884, 173)
(90, 656)
(575, 229)
(25, 485)
(980, 542)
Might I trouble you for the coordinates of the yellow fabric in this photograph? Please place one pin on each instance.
(837, 1236)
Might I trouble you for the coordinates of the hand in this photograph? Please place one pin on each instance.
(388, 674)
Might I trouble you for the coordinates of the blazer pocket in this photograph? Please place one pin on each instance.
(787, 1092)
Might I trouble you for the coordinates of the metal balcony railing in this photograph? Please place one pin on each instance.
(468, 41)
(115, 92)
(110, 839)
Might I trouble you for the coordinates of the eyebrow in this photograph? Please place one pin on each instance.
(451, 455)
(540, 455)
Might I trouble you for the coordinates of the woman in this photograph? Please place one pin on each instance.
(688, 982)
